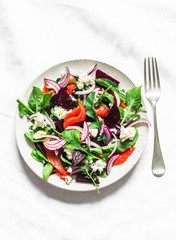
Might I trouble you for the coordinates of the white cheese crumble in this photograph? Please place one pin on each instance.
(40, 121)
(39, 134)
(60, 112)
(93, 131)
(68, 152)
(98, 165)
(127, 133)
(73, 98)
(68, 179)
(69, 170)
(84, 79)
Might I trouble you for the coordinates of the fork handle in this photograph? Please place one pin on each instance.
(158, 166)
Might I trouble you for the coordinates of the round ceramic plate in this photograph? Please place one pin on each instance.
(25, 147)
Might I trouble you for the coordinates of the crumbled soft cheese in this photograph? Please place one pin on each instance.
(84, 79)
(68, 152)
(39, 134)
(60, 112)
(93, 131)
(73, 98)
(98, 165)
(69, 170)
(68, 179)
(113, 130)
(40, 121)
(127, 133)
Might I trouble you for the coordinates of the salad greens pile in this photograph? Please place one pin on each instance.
(82, 125)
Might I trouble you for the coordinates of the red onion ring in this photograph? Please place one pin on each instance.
(85, 132)
(85, 92)
(110, 162)
(52, 84)
(92, 69)
(117, 98)
(65, 79)
(139, 120)
(94, 144)
(115, 147)
(107, 133)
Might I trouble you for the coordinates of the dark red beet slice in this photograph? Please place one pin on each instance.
(101, 74)
(48, 110)
(82, 178)
(78, 156)
(113, 117)
(40, 147)
(59, 125)
(63, 99)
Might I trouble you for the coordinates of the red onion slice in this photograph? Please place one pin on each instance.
(74, 128)
(50, 121)
(115, 147)
(52, 84)
(117, 98)
(94, 144)
(102, 126)
(110, 162)
(77, 170)
(92, 69)
(107, 133)
(65, 79)
(85, 132)
(85, 92)
(54, 146)
(139, 120)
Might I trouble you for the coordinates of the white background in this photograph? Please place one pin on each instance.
(36, 34)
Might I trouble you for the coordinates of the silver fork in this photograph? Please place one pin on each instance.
(152, 92)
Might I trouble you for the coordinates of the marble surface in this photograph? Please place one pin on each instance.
(36, 34)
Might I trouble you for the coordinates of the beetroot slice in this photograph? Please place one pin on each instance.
(40, 147)
(78, 156)
(101, 74)
(59, 125)
(63, 100)
(113, 117)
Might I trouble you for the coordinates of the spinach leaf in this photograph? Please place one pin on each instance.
(90, 111)
(47, 170)
(103, 174)
(23, 109)
(46, 100)
(133, 100)
(35, 99)
(97, 151)
(122, 146)
(38, 156)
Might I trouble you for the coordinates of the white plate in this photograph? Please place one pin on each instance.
(21, 126)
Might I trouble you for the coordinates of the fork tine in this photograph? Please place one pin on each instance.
(157, 74)
(145, 77)
(153, 71)
(149, 75)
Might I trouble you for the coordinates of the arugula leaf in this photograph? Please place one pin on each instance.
(64, 160)
(23, 109)
(133, 100)
(47, 170)
(86, 171)
(38, 156)
(97, 151)
(122, 146)
(105, 97)
(112, 86)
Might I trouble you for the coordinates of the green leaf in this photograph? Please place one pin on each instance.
(90, 111)
(38, 156)
(35, 99)
(122, 146)
(46, 100)
(47, 170)
(97, 151)
(105, 97)
(121, 110)
(23, 109)
(133, 100)
(112, 86)
(103, 174)
(64, 160)
(71, 136)
(29, 136)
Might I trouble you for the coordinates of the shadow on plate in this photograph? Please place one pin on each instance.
(73, 196)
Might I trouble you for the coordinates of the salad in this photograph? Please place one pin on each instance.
(82, 125)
